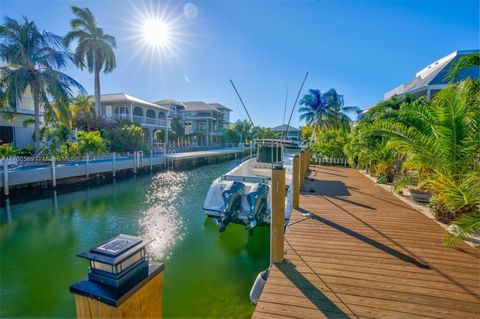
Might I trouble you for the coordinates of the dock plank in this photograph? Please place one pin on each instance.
(354, 250)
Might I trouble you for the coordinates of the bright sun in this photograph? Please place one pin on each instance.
(156, 32)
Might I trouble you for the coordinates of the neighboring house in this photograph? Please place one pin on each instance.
(430, 80)
(152, 117)
(206, 122)
(12, 130)
(292, 133)
(175, 107)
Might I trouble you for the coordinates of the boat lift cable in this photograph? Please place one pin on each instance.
(294, 104)
(285, 107)
(243, 104)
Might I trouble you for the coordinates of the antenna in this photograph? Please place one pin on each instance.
(285, 107)
(243, 104)
(294, 104)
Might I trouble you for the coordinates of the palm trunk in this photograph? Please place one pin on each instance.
(97, 90)
(36, 107)
(312, 138)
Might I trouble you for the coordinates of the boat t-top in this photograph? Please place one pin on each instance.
(243, 194)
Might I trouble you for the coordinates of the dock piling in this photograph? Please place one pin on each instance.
(151, 160)
(296, 182)
(114, 164)
(302, 168)
(87, 164)
(134, 162)
(277, 223)
(54, 175)
(5, 177)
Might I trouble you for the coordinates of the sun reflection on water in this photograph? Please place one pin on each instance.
(161, 222)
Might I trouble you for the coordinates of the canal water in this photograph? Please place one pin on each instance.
(207, 274)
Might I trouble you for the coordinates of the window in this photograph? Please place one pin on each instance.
(6, 134)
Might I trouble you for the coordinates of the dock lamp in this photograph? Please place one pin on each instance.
(119, 277)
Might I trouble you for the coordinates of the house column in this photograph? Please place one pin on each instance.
(165, 136)
(428, 95)
(131, 112)
(150, 132)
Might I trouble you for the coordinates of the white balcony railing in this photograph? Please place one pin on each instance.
(138, 119)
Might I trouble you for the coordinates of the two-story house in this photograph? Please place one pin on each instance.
(205, 121)
(12, 128)
(152, 117)
(291, 133)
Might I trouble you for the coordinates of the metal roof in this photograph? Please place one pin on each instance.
(118, 98)
(197, 106)
(220, 106)
(283, 127)
(434, 74)
(169, 102)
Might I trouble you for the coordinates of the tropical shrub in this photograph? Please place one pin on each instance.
(440, 141)
(125, 138)
(330, 143)
(230, 136)
(89, 143)
(7, 150)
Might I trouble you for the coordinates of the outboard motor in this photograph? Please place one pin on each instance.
(258, 206)
(232, 199)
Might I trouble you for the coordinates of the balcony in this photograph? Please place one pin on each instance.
(147, 121)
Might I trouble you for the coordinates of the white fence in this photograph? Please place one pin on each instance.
(324, 160)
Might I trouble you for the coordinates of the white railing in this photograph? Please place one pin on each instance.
(321, 160)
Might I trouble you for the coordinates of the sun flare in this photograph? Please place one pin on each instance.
(156, 32)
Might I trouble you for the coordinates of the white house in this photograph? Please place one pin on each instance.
(431, 79)
(152, 117)
(12, 129)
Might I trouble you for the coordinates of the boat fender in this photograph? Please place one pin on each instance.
(257, 287)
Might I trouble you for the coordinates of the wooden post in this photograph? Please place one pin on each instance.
(54, 175)
(134, 162)
(302, 168)
(87, 166)
(151, 159)
(296, 182)
(5, 177)
(114, 163)
(277, 223)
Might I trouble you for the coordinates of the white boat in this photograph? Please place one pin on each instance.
(243, 194)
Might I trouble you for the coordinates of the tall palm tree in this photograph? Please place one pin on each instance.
(34, 59)
(94, 48)
(325, 111)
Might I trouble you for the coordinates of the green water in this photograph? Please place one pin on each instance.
(207, 274)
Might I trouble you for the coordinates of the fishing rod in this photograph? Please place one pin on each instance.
(243, 104)
(285, 107)
(294, 104)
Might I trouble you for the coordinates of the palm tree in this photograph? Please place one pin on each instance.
(462, 63)
(94, 48)
(325, 111)
(440, 140)
(33, 59)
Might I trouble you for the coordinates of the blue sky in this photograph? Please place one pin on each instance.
(360, 48)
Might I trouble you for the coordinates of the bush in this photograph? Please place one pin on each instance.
(330, 143)
(125, 138)
(7, 150)
(90, 143)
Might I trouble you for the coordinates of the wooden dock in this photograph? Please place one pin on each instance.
(355, 250)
